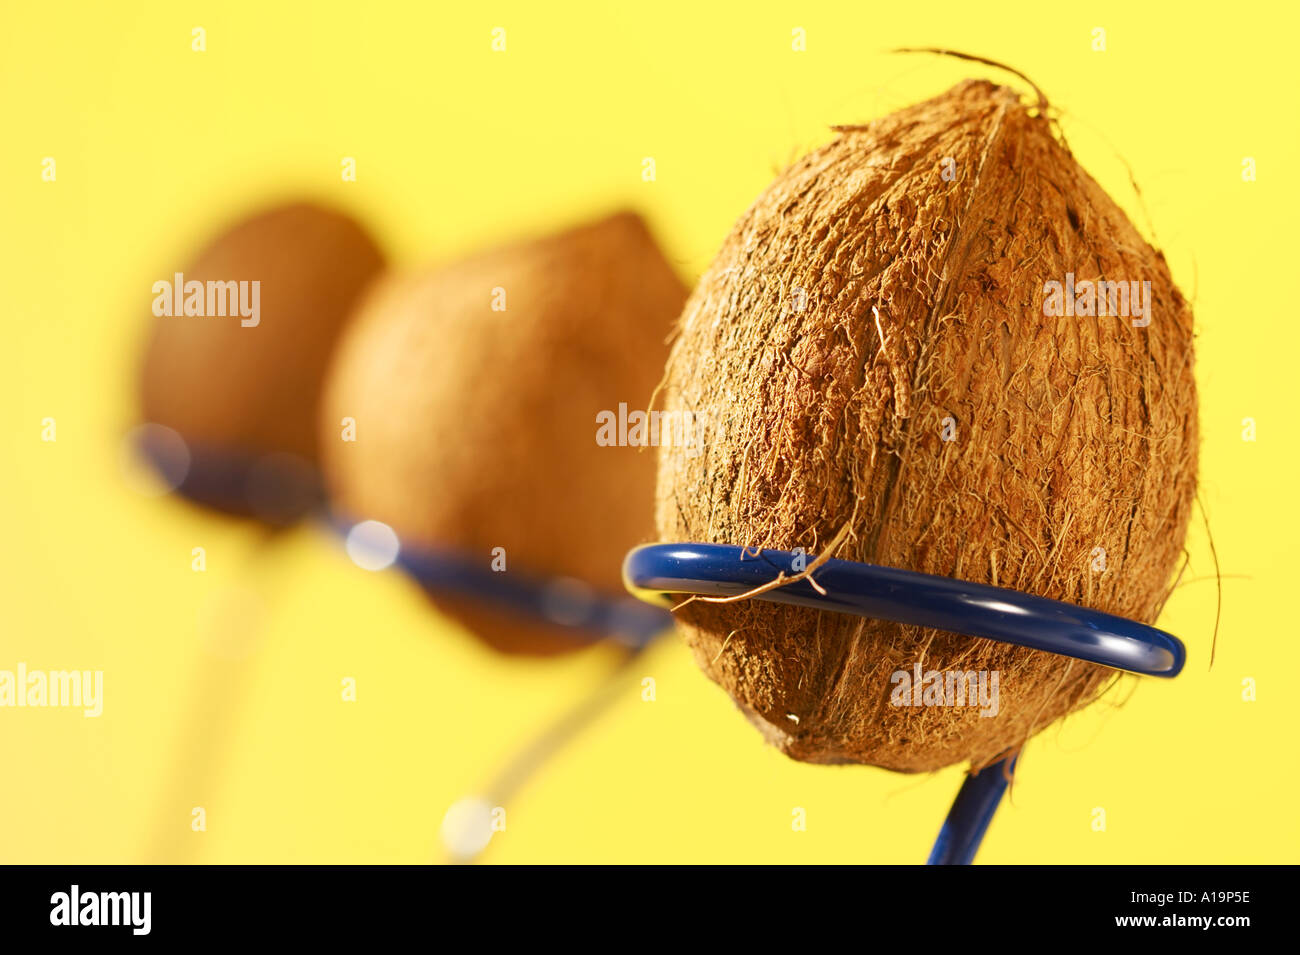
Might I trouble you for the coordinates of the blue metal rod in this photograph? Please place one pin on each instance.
(972, 811)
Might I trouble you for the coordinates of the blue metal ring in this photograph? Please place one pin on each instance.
(590, 617)
(905, 596)
(656, 571)
(587, 615)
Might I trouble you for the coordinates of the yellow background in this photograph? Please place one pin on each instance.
(157, 145)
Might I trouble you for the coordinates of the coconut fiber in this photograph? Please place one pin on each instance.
(475, 390)
(871, 351)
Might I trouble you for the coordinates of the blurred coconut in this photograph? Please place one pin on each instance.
(475, 389)
(880, 357)
(233, 372)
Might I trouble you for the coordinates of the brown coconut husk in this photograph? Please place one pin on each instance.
(476, 429)
(924, 301)
(239, 394)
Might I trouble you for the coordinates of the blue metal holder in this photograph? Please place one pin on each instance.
(589, 617)
(657, 571)
(584, 614)
(282, 490)
(278, 489)
(972, 811)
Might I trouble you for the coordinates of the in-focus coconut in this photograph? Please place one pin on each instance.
(475, 390)
(235, 369)
(879, 345)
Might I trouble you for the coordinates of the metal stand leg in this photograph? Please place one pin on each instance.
(971, 813)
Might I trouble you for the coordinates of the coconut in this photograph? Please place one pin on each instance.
(475, 390)
(881, 351)
(241, 390)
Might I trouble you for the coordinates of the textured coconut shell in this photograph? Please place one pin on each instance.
(1072, 433)
(237, 394)
(476, 429)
